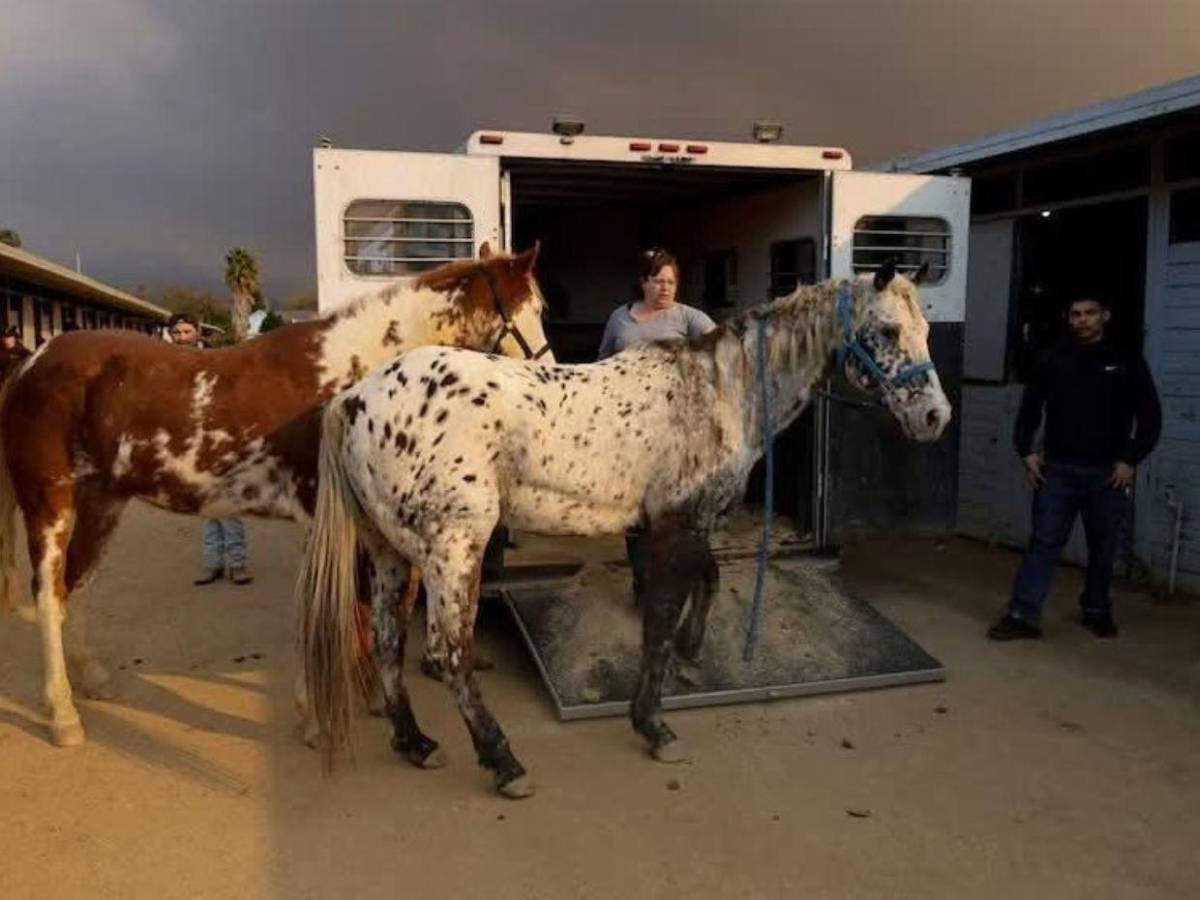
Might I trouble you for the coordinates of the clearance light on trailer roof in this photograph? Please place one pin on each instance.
(668, 148)
(832, 154)
(639, 146)
(697, 149)
(491, 139)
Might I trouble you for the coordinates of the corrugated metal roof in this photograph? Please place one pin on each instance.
(1147, 104)
(23, 264)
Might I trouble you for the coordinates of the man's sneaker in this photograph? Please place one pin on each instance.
(209, 576)
(239, 575)
(1100, 624)
(1013, 629)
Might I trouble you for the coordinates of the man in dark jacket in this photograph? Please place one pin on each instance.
(1102, 419)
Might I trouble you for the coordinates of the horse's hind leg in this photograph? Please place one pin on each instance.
(48, 535)
(96, 517)
(663, 596)
(690, 637)
(393, 594)
(453, 597)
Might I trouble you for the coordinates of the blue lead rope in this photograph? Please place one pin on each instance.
(755, 611)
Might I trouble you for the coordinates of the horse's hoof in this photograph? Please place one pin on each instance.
(435, 759)
(69, 734)
(673, 752)
(688, 673)
(517, 789)
(97, 682)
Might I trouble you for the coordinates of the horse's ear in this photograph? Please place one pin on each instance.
(884, 275)
(921, 274)
(485, 251)
(524, 262)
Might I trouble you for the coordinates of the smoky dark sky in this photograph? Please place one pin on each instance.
(150, 137)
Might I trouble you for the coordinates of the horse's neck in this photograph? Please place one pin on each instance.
(799, 335)
(370, 331)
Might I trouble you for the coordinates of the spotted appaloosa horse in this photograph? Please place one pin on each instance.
(663, 435)
(96, 418)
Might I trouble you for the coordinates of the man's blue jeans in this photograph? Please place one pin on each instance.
(1071, 491)
(224, 544)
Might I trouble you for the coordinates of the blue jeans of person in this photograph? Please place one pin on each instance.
(1070, 491)
(635, 550)
(224, 544)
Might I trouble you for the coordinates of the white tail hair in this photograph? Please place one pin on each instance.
(335, 662)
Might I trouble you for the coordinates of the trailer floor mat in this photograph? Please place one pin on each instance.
(814, 638)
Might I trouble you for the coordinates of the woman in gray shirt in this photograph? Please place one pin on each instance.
(657, 315)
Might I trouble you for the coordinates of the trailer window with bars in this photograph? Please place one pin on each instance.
(404, 237)
(909, 241)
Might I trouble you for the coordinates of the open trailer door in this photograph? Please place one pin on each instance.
(872, 480)
(384, 215)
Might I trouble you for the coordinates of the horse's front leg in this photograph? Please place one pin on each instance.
(453, 597)
(672, 553)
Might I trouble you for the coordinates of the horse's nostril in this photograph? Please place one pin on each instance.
(933, 418)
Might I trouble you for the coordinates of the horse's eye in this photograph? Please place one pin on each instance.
(890, 333)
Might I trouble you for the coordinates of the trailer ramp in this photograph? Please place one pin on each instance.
(585, 636)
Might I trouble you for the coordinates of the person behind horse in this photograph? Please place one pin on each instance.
(655, 315)
(1102, 419)
(224, 539)
(11, 344)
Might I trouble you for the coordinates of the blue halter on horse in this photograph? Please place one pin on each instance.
(852, 346)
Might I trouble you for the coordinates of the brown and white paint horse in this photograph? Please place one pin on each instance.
(662, 435)
(96, 418)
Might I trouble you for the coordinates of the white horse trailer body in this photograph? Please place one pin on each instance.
(747, 222)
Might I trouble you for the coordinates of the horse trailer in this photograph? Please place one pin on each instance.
(747, 221)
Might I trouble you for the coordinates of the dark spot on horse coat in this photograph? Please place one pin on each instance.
(441, 416)
(468, 478)
(352, 406)
(449, 380)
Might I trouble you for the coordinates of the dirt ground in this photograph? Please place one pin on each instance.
(1063, 768)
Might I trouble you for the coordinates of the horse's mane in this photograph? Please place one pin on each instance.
(798, 326)
(452, 275)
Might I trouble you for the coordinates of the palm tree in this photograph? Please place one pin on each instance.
(241, 274)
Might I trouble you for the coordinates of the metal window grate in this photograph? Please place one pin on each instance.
(909, 241)
(404, 237)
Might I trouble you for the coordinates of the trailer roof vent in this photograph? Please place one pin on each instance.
(567, 126)
(767, 132)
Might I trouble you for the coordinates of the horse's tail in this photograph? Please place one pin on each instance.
(8, 515)
(335, 666)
